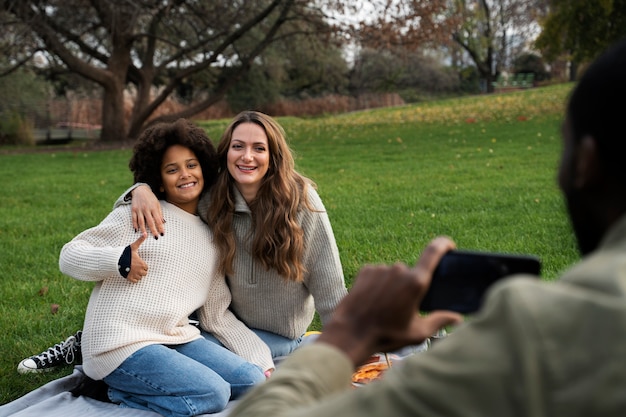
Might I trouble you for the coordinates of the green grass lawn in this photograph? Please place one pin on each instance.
(480, 169)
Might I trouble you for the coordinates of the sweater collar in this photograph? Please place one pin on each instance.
(240, 203)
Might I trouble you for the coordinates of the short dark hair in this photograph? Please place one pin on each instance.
(154, 141)
(597, 107)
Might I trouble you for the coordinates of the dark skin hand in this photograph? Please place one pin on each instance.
(147, 212)
(138, 267)
(381, 311)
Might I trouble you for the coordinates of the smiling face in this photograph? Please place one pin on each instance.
(248, 158)
(182, 179)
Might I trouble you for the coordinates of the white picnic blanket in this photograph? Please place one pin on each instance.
(55, 400)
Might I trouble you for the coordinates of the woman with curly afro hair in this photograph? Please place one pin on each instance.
(137, 337)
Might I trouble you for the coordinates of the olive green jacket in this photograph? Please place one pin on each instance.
(535, 349)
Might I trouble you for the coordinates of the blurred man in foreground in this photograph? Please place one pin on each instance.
(535, 348)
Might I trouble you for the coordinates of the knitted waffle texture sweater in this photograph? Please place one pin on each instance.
(123, 317)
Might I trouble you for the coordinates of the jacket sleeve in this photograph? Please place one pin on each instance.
(308, 377)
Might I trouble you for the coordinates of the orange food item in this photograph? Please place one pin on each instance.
(369, 372)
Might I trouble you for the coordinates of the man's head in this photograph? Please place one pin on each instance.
(592, 174)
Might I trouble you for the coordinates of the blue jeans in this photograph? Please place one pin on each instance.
(279, 345)
(172, 380)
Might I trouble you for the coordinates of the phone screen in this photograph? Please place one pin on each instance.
(462, 278)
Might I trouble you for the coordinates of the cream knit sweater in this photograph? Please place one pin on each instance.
(123, 317)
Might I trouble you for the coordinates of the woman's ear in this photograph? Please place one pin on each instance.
(588, 170)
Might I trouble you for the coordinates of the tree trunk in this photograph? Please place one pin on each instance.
(113, 115)
(489, 79)
(113, 112)
(138, 114)
(573, 71)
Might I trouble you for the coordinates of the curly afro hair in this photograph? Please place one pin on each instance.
(151, 146)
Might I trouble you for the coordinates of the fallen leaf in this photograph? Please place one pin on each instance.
(54, 308)
(43, 291)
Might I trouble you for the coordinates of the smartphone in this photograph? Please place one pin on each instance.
(462, 277)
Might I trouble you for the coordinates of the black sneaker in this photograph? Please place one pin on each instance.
(63, 353)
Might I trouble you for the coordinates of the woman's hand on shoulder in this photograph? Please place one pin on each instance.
(147, 211)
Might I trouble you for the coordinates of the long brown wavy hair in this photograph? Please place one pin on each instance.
(277, 238)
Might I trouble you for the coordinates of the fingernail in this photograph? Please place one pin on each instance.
(156, 238)
(135, 230)
(161, 233)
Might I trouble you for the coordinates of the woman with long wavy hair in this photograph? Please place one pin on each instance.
(277, 247)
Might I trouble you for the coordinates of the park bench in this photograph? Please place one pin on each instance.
(513, 82)
(63, 132)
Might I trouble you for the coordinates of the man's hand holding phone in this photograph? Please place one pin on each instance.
(380, 313)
